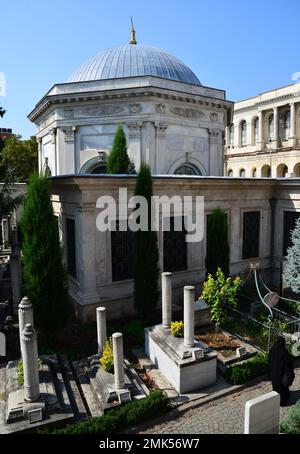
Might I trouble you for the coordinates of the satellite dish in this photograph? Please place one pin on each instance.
(271, 299)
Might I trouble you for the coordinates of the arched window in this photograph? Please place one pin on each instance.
(254, 172)
(271, 127)
(243, 133)
(187, 169)
(297, 169)
(101, 168)
(256, 126)
(231, 135)
(230, 173)
(242, 173)
(266, 171)
(286, 125)
(282, 170)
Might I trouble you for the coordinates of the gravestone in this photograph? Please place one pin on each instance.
(262, 414)
(2, 344)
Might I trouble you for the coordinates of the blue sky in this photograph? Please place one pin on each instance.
(244, 47)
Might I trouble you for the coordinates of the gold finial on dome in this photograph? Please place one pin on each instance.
(132, 32)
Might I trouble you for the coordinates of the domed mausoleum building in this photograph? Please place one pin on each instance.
(175, 124)
(170, 119)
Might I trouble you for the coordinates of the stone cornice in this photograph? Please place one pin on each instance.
(268, 102)
(118, 94)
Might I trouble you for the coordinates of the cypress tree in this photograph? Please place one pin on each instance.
(118, 160)
(45, 277)
(217, 250)
(292, 272)
(146, 268)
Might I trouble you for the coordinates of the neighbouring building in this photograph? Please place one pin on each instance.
(264, 138)
(5, 133)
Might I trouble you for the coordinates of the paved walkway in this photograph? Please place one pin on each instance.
(222, 416)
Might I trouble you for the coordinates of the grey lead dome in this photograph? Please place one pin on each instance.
(134, 60)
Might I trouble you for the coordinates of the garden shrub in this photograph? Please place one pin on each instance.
(107, 358)
(246, 370)
(177, 329)
(119, 418)
(218, 292)
(20, 373)
(291, 425)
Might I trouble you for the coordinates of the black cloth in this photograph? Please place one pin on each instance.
(280, 366)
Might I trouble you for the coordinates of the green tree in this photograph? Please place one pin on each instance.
(118, 160)
(291, 274)
(19, 158)
(219, 292)
(44, 273)
(146, 252)
(217, 249)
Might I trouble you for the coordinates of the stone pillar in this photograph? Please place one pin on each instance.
(69, 149)
(16, 268)
(189, 315)
(5, 236)
(260, 129)
(215, 153)
(117, 341)
(101, 328)
(293, 122)
(25, 315)
(30, 364)
(275, 110)
(166, 287)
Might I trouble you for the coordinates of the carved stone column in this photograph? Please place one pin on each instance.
(189, 316)
(117, 341)
(276, 126)
(69, 152)
(216, 155)
(101, 328)
(134, 146)
(160, 146)
(293, 123)
(166, 286)
(260, 140)
(30, 364)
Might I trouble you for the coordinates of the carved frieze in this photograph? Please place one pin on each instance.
(213, 117)
(187, 112)
(46, 122)
(68, 113)
(160, 108)
(99, 111)
(135, 108)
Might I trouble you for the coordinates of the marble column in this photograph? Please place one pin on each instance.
(30, 364)
(69, 149)
(166, 286)
(101, 328)
(117, 341)
(25, 315)
(260, 129)
(4, 227)
(189, 315)
(275, 111)
(293, 122)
